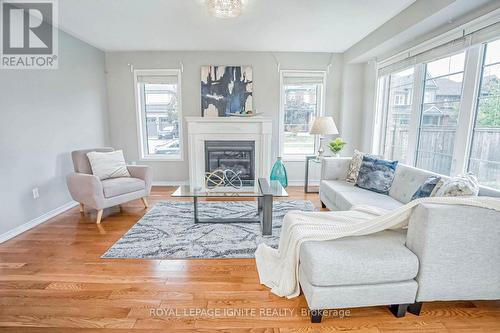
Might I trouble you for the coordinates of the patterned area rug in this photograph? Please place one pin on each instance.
(168, 231)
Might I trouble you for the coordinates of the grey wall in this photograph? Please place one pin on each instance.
(122, 111)
(44, 114)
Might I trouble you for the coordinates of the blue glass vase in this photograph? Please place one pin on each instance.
(278, 172)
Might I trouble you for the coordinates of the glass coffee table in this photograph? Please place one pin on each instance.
(264, 191)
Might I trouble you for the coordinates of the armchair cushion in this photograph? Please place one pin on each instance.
(117, 186)
(142, 172)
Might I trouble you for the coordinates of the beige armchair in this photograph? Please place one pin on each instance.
(89, 190)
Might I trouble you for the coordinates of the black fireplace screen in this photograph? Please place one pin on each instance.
(238, 156)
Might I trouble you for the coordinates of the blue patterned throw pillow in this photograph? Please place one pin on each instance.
(426, 188)
(376, 175)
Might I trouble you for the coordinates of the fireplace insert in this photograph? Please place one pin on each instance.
(238, 156)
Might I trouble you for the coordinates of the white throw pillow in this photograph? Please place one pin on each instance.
(354, 166)
(462, 185)
(108, 165)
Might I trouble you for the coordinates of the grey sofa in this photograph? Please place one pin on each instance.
(447, 253)
(89, 190)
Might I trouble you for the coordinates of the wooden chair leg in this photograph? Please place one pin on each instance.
(145, 202)
(99, 216)
(82, 208)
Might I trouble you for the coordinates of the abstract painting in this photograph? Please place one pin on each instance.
(226, 91)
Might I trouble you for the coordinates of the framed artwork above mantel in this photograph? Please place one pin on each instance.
(226, 91)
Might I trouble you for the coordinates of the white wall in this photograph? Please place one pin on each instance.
(351, 119)
(44, 115)
(369, 107)
(122, 111)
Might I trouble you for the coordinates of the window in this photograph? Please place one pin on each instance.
(159, 114)
(484, 159)
(398, 113)
(399, 99)
(439, 113)
(302, 99)
(453, 126)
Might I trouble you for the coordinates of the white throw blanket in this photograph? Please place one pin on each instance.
(278, 268)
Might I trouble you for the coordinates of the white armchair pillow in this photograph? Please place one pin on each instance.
(108, 165)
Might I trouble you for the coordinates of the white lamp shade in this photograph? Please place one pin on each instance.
(324, 126)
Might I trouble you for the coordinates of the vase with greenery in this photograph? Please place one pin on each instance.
(336, 146)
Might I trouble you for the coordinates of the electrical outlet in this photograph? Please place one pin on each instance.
(36, 195)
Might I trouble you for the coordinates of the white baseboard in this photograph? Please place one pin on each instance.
(185, 182)
(301, 183)
(36, 221)
(170, 182)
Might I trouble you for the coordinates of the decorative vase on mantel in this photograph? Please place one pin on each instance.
(278, 172)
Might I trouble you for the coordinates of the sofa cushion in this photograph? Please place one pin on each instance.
(378, 258)
(376, 174)
(330, 188)
(118, 186)
(344, 195)
(407, 180)
(489, 192)
(345, 200)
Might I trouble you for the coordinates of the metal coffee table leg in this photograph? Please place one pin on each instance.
(267, 214)
(195, 206)
(264, 209)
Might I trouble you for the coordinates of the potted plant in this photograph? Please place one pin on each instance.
(336, 146)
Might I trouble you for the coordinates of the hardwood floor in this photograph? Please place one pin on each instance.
(53, 280)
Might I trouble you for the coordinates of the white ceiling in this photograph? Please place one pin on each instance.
(265, 25)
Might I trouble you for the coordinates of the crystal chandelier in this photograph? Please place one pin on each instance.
(225, 8)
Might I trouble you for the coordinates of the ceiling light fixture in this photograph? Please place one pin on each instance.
(225, 8)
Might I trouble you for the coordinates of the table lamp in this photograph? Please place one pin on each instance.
(323, 126)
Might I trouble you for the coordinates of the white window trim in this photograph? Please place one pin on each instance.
(467, 113)
(380, 122)
(416, 113)
(414, 124)
(468, 107)
(140, 116)
(298, 73)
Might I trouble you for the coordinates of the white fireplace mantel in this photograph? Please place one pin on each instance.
(201, 129)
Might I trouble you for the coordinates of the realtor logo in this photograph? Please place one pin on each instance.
(29, 34)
